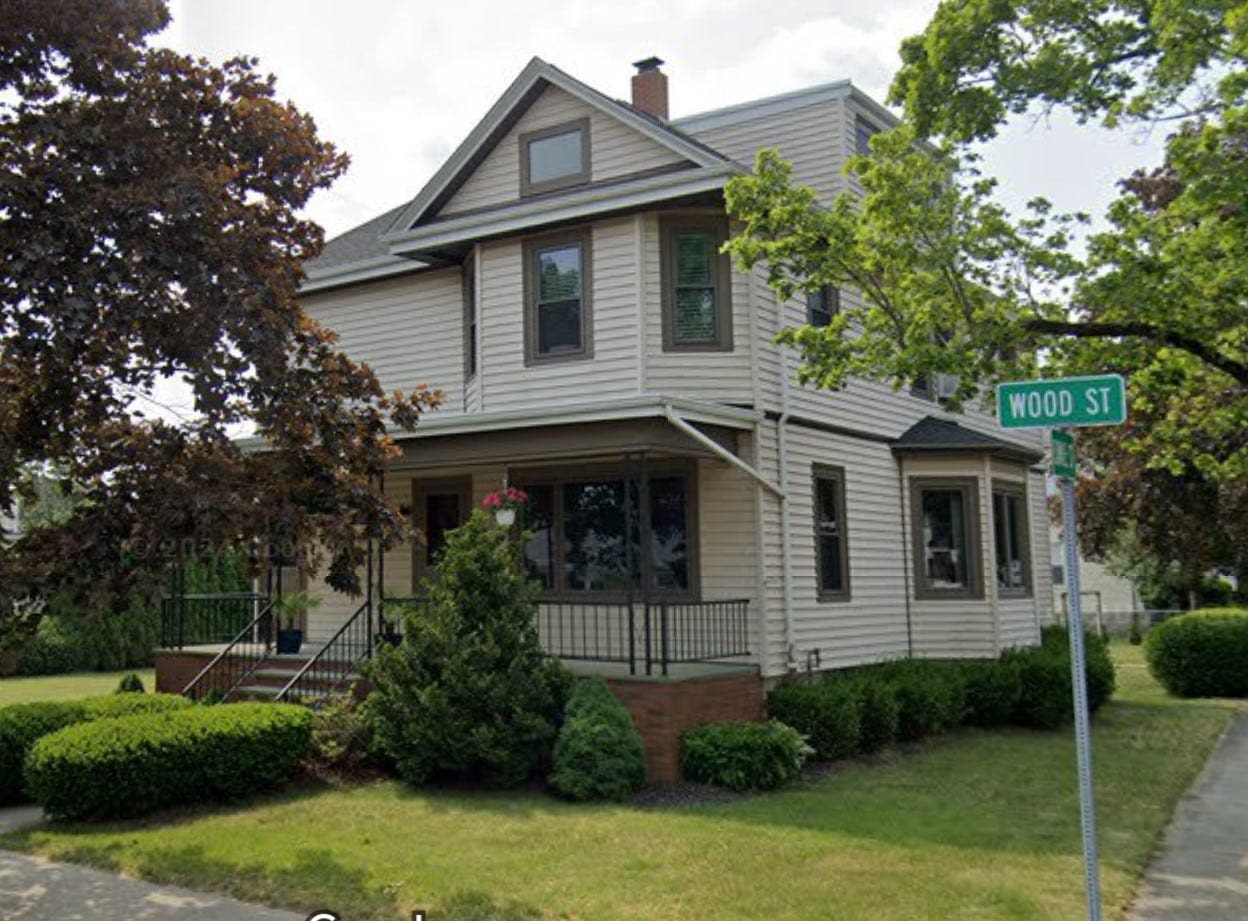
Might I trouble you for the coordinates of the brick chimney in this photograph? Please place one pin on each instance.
(650, 88)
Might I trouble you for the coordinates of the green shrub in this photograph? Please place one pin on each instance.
(598, 753)
(743, 756)
(930, 696)
(341, 743)
(469, 692)
(828, 713)
(134, 765)
(21, 725)
(881, 712)
(1135, 635)
(130, 684)
(1204, 654)
(1045, 697)
(992, 690)
(1101, 676)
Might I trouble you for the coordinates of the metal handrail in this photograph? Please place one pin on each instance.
(365, 610)
(225, 653)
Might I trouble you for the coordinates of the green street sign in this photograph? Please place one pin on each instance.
(1063, 454)
(1061, 402)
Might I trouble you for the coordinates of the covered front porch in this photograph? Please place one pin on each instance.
(642, 531)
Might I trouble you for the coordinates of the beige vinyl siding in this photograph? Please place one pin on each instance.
(722, 376)
(616, 150)
(410, 330)
(871, 626)
(1040, 559)
(810, 137)
(728, 537)
(962, 627)
(612, 371)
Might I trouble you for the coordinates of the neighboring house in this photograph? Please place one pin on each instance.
(560, 280)
(1109, 600)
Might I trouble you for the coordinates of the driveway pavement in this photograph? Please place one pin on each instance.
(40, 890)
(1202, 872)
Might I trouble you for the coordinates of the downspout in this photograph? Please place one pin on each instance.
(782, 450)
(906, 538)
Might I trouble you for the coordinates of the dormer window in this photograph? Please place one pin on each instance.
(554, 158)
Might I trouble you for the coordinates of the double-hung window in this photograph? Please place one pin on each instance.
(863, 132)
(944, 520)
(822, 305)
(469, 281)
(557, 297)
(554, 158)
(831, 542)
(1009, 527)
(697, 310)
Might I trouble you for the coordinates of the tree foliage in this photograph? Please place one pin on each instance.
(952, 282)
(150, 230)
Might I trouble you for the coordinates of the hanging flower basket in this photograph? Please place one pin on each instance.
(504, 504)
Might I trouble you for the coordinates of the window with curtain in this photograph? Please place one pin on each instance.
(946, 538)
(588, 535)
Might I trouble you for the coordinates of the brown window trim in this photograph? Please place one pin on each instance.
(560, 475)
(462, 486)
(1018, 491)
(974, 590)
(581, 177)
(836, 475)
(669, 227)
(530, 248)
(831, 296)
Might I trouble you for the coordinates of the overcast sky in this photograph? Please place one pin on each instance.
(399, 84)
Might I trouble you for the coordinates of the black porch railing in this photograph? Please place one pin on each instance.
(645, 634)
(245, 653)
(335, 665)
(206, 620)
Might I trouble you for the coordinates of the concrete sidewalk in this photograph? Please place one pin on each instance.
(1202, 872)
(33, 888)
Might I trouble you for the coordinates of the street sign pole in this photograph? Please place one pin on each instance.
(1078, 672)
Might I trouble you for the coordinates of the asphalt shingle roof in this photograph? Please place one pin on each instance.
(933, 435)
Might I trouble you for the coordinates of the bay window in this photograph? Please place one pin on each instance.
(945, 524)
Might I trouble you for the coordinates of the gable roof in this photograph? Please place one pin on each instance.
(931, 435)
(535, 77)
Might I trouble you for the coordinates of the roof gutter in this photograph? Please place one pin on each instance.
(718, 450)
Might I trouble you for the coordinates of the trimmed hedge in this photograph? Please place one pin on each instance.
(134, 765)
(1204, 654)
(865, 709)
(22, 725)
(598, 753)
(827, 713)
(743, 756)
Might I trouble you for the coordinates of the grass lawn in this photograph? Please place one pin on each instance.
(66, 687)
(977, 825)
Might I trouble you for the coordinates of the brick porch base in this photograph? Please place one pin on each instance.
(662, 708)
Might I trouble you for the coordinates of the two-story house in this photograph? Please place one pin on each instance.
(701, 523)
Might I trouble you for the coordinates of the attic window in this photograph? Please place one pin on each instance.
(554, 158)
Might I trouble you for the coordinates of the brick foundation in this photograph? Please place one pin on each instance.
(175, 668)
(663, 709)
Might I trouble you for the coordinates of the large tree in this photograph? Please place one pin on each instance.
(151, 230)
(953, 282)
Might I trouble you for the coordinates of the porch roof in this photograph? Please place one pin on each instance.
(645, 406)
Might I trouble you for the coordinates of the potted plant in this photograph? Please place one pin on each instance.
(504, 504)
(290, 610)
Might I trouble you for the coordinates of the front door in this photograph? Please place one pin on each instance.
(438, 506)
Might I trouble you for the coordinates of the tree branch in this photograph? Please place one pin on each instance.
(1195, 347)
